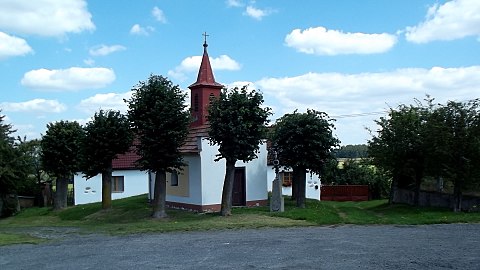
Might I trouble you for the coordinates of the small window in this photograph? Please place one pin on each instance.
(117, 184)
(174, 179)
(195, 102)
(286, 179)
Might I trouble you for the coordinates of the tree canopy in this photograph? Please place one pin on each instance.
(61, 155)
(304, 141)
(160, 121)
(106, 136)
(238, 126)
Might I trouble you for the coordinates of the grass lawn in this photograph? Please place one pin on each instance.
(131, 215)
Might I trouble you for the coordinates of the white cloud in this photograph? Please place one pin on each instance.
(45, 17)
(74, 78)
(234, 3)
(346, 95)
(257, 13)
(34, 105)
(321, 41)
(192, 64)
(159, 15)
(13, 46)
(89, 62)
(109, 101)
(141, 31)
(102, 50)
(453, 20)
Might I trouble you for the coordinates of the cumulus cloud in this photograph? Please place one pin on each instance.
(102, 50)
(159, 15)
(141, 31)
(109, 101)
(234, 3)
(322, 41)
(192, 64)
(74, 78)
(13, 46)
(257, 13)
(453, 20)
(346, 97)
(45, 17)
(34, 105)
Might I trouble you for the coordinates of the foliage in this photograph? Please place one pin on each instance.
(160, 122)
(361, 172)
(11, 171)
(61, 155)
(32, 165)
(399, 146)
(237, 126)
(106, 136)
(304, 141)
(352, 151)
(454, 145)
(61, 148)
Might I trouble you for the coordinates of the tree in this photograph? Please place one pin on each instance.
(399, 147)
(12, 170)
(30, 151)
(454, 145)
(106, 136)
(61, 148)
(160, 122)
(304, 141)
(237, 126)
(352, 151)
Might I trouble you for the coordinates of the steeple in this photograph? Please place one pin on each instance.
(203, 90)
(205, 74)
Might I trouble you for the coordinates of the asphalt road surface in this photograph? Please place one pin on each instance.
(455, 246)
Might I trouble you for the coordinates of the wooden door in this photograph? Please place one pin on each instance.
(239, 190)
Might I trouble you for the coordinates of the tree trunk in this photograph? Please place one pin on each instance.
(228, 188)
(457, 197)
(107, 188)
(160, 195)
(300, 175)
(61, 193)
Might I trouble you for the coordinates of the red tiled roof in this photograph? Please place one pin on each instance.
(127, 160)
(191, 143)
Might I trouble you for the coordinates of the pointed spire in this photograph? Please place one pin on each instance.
(205, 74)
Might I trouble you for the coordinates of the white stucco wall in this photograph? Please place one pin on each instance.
(195, 187)
(213, 174)
(89, 191)
(310, 191)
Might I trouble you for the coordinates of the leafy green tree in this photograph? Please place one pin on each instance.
(160, 121)
(30, 151)
(106, 136)
(454, 145)
(352, 151)
(399, 147)
(237, 126)
(12, 171)
(304, 142)
(60, 156)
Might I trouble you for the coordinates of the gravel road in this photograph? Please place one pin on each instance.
(454, 246)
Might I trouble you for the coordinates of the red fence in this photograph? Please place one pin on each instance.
(342, 193)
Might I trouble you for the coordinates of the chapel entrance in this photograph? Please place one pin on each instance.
(239, 197)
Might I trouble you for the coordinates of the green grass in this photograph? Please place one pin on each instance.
(132, 215)
(13, 238)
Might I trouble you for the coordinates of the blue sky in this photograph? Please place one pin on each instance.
(64, 60)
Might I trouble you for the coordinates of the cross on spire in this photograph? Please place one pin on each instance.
(205, 36)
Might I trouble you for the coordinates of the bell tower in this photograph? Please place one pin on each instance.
(203, 90)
